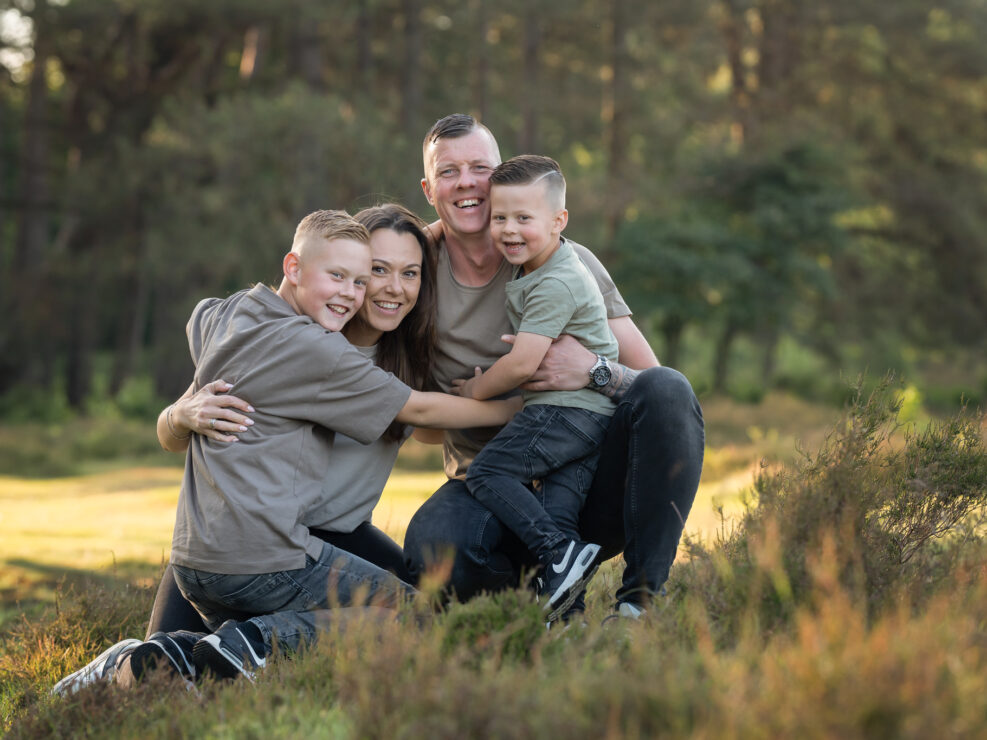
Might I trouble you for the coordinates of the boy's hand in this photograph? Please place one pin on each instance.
(464, 386)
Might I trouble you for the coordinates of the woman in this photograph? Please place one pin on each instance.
(396, 328)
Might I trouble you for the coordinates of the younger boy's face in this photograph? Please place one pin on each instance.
(329, 279)
(525, 224)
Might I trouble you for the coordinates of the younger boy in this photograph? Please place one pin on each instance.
(241, 550)
(556, 438)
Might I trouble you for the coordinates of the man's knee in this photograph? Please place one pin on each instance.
(454, 539)
(666, 389)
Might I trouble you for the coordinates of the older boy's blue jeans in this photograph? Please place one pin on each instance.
(556, 445)
(645, 483)
(291, 605)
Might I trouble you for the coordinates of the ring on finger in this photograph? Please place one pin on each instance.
(212, 423)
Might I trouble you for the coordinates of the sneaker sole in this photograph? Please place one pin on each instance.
(209, 655)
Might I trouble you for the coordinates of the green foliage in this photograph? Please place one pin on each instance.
(878, 505)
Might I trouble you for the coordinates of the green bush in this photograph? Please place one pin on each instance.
(881, 503)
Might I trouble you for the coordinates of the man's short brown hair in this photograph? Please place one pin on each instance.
(331, 225)
(453, 126)
(530, 168)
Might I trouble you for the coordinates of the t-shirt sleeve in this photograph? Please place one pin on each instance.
(548, 306)
(358, 399)
(614, 302)
(198, 326)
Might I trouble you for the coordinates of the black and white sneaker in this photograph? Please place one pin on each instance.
(229, 653)
(566, 577)
(101, 668)
(167, 651)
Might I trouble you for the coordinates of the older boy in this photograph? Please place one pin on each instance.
(556, 438)
(240, 549)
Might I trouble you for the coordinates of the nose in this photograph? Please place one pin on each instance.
(393, 283)
(466, 178)
(348, 289)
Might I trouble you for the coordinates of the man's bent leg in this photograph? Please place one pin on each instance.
(452, 524)
(647, 479)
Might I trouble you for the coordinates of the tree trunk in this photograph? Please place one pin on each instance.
(364, 54)
(412, 87)
(721, 359)
(254, 41)
(482, 60)
(32, 232)
(306, 51)
(769, 358)
(672, 328)
(614, 119)
(528, 139)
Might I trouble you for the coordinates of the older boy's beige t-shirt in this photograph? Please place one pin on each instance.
(243, 506)
(561, 297)
(470, 323)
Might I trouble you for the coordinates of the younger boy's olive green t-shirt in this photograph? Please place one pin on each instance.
(244, 506)
(470, 322)
(561, 297)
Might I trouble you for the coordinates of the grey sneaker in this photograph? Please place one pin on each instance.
(564, 579)
(101, 668)
(168, 651)
(229, 653)
(625, 611)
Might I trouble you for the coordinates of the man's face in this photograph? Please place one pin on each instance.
(456, 183)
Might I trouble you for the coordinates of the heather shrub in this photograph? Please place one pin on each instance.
(891, 505)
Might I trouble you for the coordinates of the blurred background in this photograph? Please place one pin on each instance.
(788, 194)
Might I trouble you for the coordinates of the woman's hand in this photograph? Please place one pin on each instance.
(211, 412)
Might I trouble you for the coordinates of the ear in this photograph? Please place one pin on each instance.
(427, 190)
(291, 267)
(561, 219)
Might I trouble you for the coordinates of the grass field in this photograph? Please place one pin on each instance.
(849, 602)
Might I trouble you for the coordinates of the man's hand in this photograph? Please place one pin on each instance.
(565, 366)
(464, 386)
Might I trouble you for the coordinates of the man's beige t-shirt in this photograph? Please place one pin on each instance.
(244, 506)
(470, 323)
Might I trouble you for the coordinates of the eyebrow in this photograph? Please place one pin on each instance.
(389, 263)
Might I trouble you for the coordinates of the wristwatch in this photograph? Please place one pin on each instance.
(600, 374)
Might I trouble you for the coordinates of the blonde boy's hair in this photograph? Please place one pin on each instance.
(330, 225)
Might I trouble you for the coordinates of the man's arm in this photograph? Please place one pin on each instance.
(567, 363)
(509, 371)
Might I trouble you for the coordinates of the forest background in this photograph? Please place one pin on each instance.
(785, 192)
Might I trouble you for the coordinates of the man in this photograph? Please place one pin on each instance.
(651, 458)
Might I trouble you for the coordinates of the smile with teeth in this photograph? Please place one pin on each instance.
(387, 305)
(467, 203)
(338, 310)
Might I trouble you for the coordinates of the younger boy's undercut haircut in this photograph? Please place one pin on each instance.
(527, 169)
(330, 225)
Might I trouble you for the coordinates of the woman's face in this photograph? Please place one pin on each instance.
(395, 279)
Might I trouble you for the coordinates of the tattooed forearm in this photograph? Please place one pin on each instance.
(620, 381)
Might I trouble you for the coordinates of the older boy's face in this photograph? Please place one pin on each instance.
(457, 175)
(330, 280)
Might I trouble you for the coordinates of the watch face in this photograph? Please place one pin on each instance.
(601, 375)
